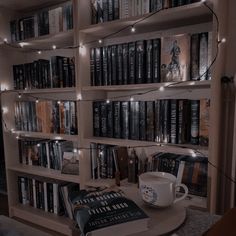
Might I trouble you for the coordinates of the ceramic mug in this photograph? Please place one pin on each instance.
(159, 188)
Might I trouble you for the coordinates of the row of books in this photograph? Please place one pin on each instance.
(192, 171)
(46, 116)
(109, 161)
(176, 58)
(166, 121)
(58, 72)
(108, 10)
(46, 153)
(42, 23)
(47, 196)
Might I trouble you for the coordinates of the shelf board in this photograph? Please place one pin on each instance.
(160, 147)
(26, 134)
(47, 90)
(128, 87)
(61, 39)
(44, 172)
(167, 18)
(39, 217)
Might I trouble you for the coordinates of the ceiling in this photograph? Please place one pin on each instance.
(25, 5)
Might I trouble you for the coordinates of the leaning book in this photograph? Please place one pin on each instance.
(107, 212)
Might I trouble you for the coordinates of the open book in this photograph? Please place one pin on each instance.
(107, 212)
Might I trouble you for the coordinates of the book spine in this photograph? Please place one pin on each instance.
(158, 121)
(93, 11)
(140, 62)
(132, 63)
(174, 121)
(117, 120)
(96, 119)
(110, 120)
(156, 60)
(125, 120)
(105, 65)
(98, 66)
(134, 120)
(150, 121)
(110, 10)
(94, 160)
(142, 120)
(109, 61)
(119, 64)
(145, 7)
(103, 117)
(55, 199)
(125, 68)
(114, 64)
(99, 11)
(105, 10)
(209, 54)
(195, 105)
(116, 9)
(149, 61)
(166, 121)
(203, 54)
(194, 66)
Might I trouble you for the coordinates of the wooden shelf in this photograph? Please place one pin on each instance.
(128, 87)
(47, 90)
(44, 172)
(26, 134)
(194, 13)
(160, 147)
(39, 217)
(61, 39)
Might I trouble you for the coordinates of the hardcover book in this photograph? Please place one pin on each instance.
(107, 213)
(175, 58)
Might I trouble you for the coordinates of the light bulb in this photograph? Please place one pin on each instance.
(54, 47)
(19, 96)
(162, 88)
(100, 41)
(223, 40)
(39, 52)
(131, 99)
(107, 101)
(132, 29)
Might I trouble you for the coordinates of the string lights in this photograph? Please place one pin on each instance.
(194, 151)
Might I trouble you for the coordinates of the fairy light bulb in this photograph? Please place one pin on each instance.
(100, 41)
(19, 95)
(162, 88)
(107, 101)
(133, 29)
(131, 99)
(54, 47)
(39, 52)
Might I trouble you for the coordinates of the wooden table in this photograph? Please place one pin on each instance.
(162, 220)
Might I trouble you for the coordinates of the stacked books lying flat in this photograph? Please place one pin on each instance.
(108, 10)
(46, 153)
(48, 196)
(46, 116)
(107, 212)
(166, 121)
(169, 59)
(108, 161)
(59, 72)
(42, 23)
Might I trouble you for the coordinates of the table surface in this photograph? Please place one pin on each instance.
(162, 220)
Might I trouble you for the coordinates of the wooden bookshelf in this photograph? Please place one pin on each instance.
(192, 18)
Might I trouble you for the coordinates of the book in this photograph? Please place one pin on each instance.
(107, 212)
(195, 107)
(175, 58)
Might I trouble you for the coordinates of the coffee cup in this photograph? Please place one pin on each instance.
(159, 189)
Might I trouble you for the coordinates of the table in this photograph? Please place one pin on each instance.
(162, 220)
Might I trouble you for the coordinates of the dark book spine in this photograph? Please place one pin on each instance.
(156, 60)
(133, 168)
(174, 3)
(93, 12)
(131, 63)
(98, 66)
(140, 62)
(150, 134)
(105, 10)
(125, 120)
(114, 64)
(117, 120)
(65, 65)
(149, 61)
(92, 67)
(110, 10)
(99, 11)
(105, 65)
(125, 69)
(165, 120)
(119, 64)
(158, 121)
(181, 2)
(174, 121)
(109, 61)
(72, 71)
(195, 108)
(194, 66)
(110, 120)
(96, 119)
(116, 9)
(103, 117)
(134, 120)
(203, 55)
(142, 120)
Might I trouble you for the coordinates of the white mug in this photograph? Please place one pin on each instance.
(159, 188)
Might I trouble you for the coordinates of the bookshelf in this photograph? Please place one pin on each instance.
(192, 18)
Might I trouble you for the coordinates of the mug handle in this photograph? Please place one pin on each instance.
(185, 192)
